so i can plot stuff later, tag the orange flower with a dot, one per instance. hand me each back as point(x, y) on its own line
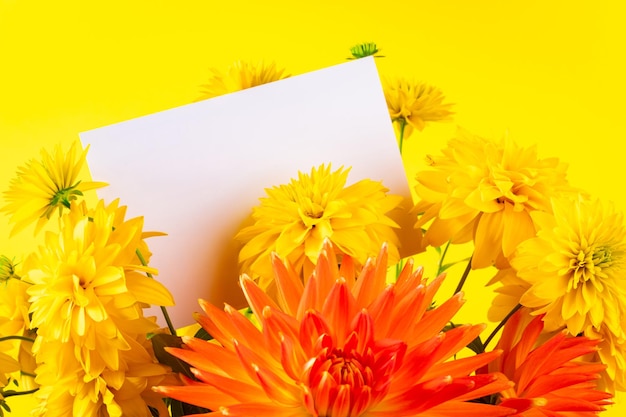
point(550, 378)
point(337, 346)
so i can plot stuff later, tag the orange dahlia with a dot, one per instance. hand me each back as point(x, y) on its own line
point(550, 377)
point(337, 346)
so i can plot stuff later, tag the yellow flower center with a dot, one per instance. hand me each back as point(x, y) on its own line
point(311, 212)
point(588, 264)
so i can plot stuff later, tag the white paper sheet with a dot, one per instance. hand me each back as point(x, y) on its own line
point(195, 172)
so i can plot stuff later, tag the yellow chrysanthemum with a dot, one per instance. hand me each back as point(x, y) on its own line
point(43, 186)
point(412, 104)
point(338, 346)
point(576, 266)
point(88, 282)
point(67, 390)
point(295, 219)
point(484, 190)
point(239, 76)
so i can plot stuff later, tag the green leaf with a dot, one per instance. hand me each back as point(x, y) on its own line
point(476, 345)
point(176, 409)
point(203, 334)
point(160, 342)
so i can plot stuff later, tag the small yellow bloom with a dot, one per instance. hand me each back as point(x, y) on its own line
point(14, 321)
point(239, 76)
point(412, 104)
point(45, 185)
point(295, 219)
point(612, 353)
point(8, 365)
point(508, 293)
point(484, 190)
point(576, 266)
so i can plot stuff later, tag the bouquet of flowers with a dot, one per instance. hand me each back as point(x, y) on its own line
point(337, 324)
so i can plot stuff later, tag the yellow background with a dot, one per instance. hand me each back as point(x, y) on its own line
point(548, 72)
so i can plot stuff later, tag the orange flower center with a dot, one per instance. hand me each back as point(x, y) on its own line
point(346, 381)
point(349, 368)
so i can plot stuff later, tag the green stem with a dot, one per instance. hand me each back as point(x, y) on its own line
point(401, 139)
point(163, 309)
point(24, 338)
point(16, 393)
point(501, 324)
point(468, 268)
point(443, 255)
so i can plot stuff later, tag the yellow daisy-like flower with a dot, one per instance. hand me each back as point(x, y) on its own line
point(239, 76)
point(45, 185)
point(576, 266)
point(484, 190)
point(295, 219)
point(338, 346)
point(88, 283)
point(412, 104)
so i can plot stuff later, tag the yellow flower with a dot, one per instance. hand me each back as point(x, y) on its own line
point(14, 321)
point(88, 283)
point(13, 300)
point(7, 365)
point(239, 76)
point(67, 389)
point(508, 294)
point(412, 104)
point(484, 190)
point(575, 266)
point(337, 347)
point(43, 186)
point(612, 353)
point(294, 219)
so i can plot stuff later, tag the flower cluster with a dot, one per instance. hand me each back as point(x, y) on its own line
point(558, 251)
point(77, 307)
point(337, 325)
